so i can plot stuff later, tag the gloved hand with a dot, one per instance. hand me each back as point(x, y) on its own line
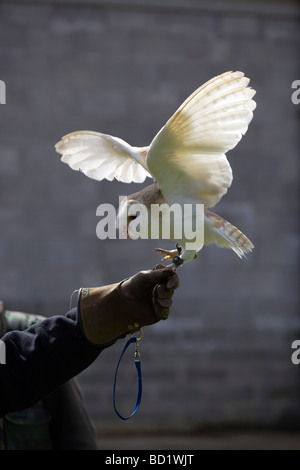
point(111, 311)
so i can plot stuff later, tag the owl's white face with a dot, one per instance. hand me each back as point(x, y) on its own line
point(133, 219)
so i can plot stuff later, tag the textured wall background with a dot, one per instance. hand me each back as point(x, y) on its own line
point(224, 357)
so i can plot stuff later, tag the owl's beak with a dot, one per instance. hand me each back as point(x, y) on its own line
point(125, 234)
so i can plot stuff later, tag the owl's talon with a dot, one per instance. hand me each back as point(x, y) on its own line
point(169, 253)
point(179, 248)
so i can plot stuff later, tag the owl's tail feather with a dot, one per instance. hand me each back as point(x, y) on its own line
point(224, 234)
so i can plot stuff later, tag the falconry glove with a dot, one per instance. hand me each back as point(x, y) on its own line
point(112, 311)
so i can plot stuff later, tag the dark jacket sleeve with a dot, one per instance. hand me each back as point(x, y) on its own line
point(41, 358)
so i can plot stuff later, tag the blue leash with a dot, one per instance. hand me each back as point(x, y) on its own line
point(137, 361)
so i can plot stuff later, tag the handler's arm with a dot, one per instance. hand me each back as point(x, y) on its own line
point(43, 357)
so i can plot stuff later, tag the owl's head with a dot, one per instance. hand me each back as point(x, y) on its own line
point(133, 219)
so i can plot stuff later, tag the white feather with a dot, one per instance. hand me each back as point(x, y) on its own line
point(100, 156)
point(224, 234)
point(187, 156)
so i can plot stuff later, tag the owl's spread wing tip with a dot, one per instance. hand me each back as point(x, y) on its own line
point(188, 155)
point(101, 156)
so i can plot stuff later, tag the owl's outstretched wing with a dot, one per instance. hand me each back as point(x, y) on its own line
point(187, 156)
point(100, 156)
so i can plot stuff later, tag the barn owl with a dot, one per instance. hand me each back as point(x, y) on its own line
point(186, 159)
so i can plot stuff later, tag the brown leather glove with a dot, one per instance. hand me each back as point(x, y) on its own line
point(111, 311)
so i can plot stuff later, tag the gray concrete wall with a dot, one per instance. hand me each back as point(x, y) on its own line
point(224, 356)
